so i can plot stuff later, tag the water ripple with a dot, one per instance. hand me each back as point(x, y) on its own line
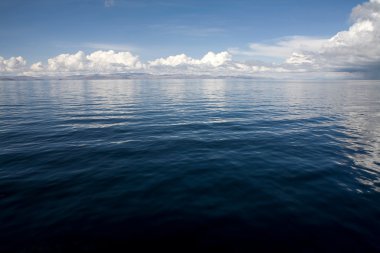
point(193, 160)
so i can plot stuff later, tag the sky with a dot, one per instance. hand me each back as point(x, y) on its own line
point(288, 38)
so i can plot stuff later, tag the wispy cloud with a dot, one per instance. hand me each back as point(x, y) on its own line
point(282, 48)
point(187, 30)
point(109, 46)
point(109, 3)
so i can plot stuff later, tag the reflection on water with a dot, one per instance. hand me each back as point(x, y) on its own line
point(198, 160)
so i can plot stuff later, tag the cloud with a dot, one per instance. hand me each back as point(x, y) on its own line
point(108, 62)
point(97, 62)
point(186, 30)
point(109, 46)
point(361, 42)
point(282, 48)
point(37, 67)
point(220, 64)
point(356, 50)
point(214, 64)
point(210, 59)
point(109, 3)
point(12, 65)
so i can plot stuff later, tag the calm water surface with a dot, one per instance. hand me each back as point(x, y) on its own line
point(217, 165)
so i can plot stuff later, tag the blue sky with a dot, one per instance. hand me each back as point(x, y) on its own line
point(262, 38)
point(41, 29)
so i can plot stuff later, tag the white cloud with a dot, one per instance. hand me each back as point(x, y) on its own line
point(299, 59)
point(107, 62)
point(216, 64)
point(210, 59)
point(37, 67)
point(216, 60)
point(12, 65)
point(111, 61)
point(354, 50)
point(282, 48)
point(67, 63)
point(172, 61)
point(97, 62)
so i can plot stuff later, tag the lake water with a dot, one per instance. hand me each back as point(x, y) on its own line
point(189, 165)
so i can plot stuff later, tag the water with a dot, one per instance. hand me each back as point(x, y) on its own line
point(217, 165)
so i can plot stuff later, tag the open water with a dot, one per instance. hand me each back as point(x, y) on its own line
point(189, 165)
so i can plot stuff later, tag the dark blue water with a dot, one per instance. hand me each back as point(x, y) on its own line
point(197, 165)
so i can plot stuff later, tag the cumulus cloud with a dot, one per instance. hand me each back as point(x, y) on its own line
point(12, 65)
point(37, 67)
point(211, 59)
point(97, 62)
point(216, 64)
point(355, 50)
point(107, 62)
point(361, 42)
point(210, 63)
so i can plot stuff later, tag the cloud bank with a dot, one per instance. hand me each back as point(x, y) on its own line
point(353, 53)
point(356, 50)
point(109, 62)
point(96, 62)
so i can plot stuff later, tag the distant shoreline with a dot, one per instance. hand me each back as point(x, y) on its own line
point(138, 76)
